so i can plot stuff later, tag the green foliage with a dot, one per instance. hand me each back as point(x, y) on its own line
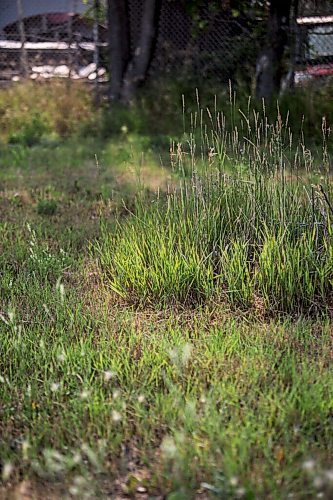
point(204, 242)
point(47, 207)
point(247, 237)
point(31, 111)
point(195, 393)
point(30, 132)
point(195, 399)
point(238, 274)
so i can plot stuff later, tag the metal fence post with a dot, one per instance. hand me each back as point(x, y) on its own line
point(96, 42)
point(23, 52)
point(70, 39)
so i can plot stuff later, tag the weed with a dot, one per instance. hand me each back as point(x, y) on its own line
point(29, 133)
point(47, 207)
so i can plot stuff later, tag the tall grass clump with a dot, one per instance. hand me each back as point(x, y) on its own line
point(31, 111)
point(244, 225)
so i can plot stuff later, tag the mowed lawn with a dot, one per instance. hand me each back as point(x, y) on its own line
point(162, 336)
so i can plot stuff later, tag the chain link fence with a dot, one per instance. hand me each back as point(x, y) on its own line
point(314, 47)
point(215, 44)
point(63, 38)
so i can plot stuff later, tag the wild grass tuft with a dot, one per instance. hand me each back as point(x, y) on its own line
point(246, 224)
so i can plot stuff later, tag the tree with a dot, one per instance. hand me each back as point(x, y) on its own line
point(275, 64)
point(129, 65)
point(271, 62)
point(129, 62)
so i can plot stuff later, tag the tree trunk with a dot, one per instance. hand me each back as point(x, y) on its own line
point(119, 44)
point(128, 70)
point(288, 81)
point(270, 63)
point(139, 64)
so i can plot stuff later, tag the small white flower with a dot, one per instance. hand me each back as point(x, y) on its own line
point(74, 490)
point(55, 386)
point(79, 481)
point(77, 458)
point(186, 353)
point(240, 492)
point(108, 375)
point(141, 489)
point(25, 449)
point(329, 475)
point(168, 447)
point(61, 357)
point(173, 353)
point(233, 481)
point(7, 471)
point(116, 394)
point(318, 482)
point(309, 465)
point(116, 417)
point(46, 309)
point(61, 289)
point(141, 398)
point(85, 394)
point(4, 319)
point(124, 129)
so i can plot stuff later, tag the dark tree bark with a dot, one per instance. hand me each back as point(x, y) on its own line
point(119, 44)
point(270, 65)
point(139, 64)
point(288, 80)
point(128, 69)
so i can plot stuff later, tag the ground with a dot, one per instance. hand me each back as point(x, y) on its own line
point(102, 397)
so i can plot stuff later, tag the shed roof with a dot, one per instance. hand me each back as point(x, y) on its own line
point(8, 9)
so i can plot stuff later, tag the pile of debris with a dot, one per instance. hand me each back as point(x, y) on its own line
point(44, 60)
point(90, 72)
